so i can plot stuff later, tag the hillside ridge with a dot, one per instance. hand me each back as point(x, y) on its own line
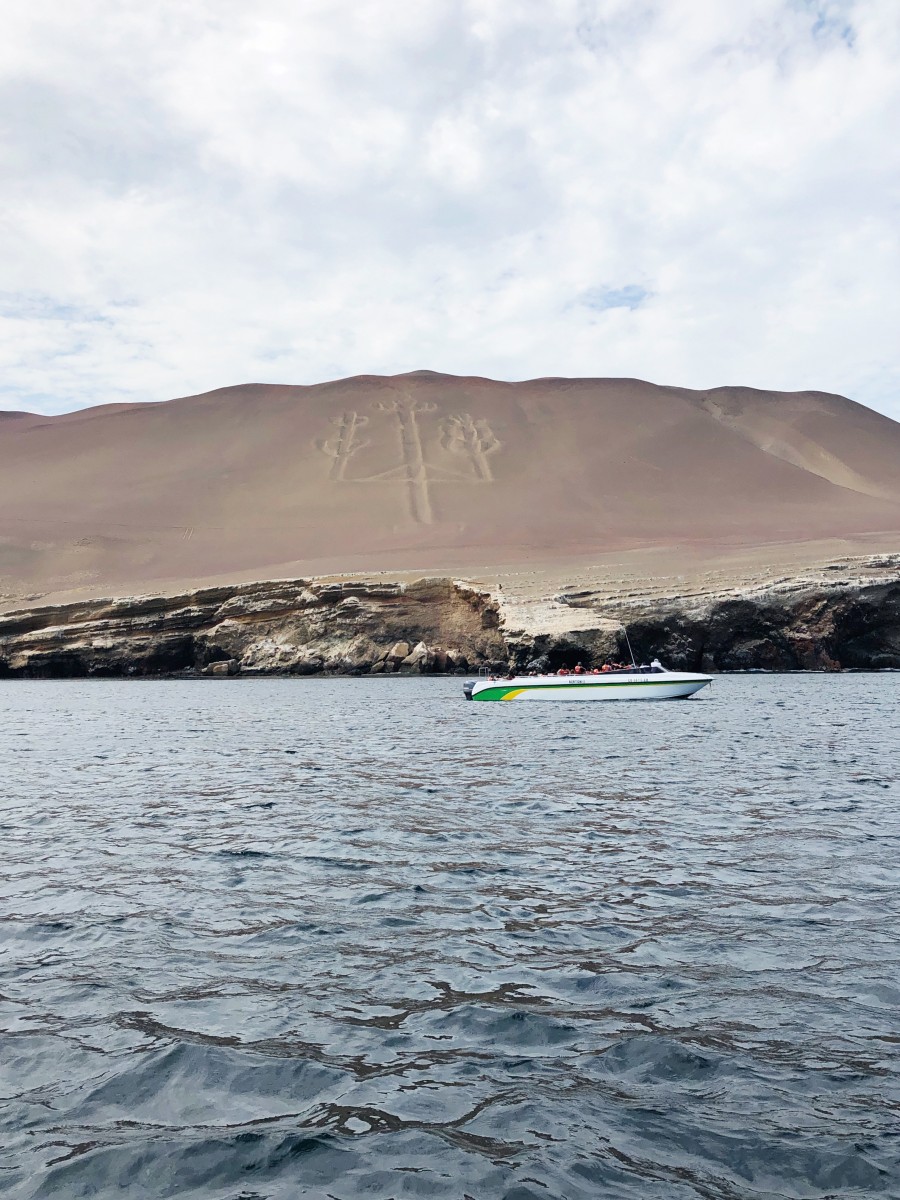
point(429, 472)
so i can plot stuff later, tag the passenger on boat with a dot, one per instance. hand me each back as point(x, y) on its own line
point(579, 669)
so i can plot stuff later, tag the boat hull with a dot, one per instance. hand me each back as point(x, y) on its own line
point(664, 685)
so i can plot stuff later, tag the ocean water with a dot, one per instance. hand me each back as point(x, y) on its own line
point(358, 938)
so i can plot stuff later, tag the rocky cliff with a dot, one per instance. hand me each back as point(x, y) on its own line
point(311, 626)
point(803, 627)
point(297, 627)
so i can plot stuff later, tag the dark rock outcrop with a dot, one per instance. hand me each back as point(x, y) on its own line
point(854, 628)
point(301, 627)
point(802, 625)
point(310, 627)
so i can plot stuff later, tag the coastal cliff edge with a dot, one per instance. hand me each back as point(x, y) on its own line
point(843, 616)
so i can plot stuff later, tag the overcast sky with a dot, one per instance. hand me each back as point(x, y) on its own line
point(202, 193)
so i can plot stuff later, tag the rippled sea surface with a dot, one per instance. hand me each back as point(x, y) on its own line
point(344, 938)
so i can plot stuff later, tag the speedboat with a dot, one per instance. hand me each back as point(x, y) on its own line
point(652, 682)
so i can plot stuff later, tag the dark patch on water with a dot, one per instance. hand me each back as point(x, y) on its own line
point(659, 964)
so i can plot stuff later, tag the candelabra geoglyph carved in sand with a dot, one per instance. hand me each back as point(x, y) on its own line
point(431, 449)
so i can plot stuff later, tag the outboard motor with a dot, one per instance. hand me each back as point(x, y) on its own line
point(467, 688)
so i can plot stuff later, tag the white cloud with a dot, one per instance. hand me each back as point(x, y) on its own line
point(683, 190)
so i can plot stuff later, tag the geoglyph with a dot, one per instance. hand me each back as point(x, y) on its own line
point(430, 449)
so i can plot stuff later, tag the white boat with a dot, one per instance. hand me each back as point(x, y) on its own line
point(651, 682)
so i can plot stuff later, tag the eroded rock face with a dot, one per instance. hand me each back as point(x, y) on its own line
point(806, 623)
point(310, 627)
point(301, 627)
point(857, 627)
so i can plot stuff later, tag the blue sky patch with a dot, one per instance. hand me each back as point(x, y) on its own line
point(601, 298)
point(830, 21)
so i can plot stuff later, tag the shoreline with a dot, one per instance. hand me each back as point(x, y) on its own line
point(835, 617)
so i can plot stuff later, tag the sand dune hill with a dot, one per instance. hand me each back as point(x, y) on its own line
point(427, 472)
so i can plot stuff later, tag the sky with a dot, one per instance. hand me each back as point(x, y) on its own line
point(210, 193)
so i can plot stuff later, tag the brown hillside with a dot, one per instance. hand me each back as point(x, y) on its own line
point(428, 472)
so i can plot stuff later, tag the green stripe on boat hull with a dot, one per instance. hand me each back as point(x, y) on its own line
point(668, 686)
